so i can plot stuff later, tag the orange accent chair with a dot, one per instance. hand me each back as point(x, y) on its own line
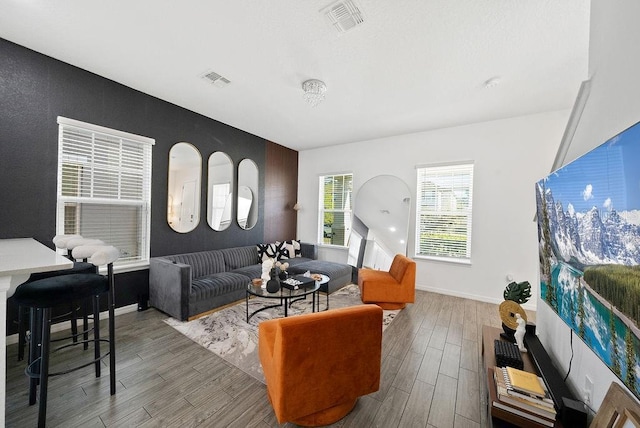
point(317, 365)
point(389, 290)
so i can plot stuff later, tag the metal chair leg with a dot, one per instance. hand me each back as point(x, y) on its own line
point(112, 331)
point(44, 366)
point(22, 332)
point(85, 319)
point(96, 333)
point(35, 323)
point(73, 319)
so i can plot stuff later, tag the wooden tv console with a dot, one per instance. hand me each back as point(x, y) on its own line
point(535, 361)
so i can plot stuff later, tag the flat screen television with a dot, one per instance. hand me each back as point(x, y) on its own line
point(588, 215)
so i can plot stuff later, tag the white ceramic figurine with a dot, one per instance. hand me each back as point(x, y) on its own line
point(519, 334)
point(266, 268)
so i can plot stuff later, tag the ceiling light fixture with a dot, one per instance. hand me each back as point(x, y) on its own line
point(314, 91)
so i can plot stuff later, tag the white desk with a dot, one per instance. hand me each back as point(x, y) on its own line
point(19, 258)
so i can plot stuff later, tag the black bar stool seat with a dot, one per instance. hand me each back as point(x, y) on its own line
point(56, 290)
point(69, 315)
point(42, 295)
point(78, 267)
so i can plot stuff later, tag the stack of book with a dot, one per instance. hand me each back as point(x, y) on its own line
point(523, 394)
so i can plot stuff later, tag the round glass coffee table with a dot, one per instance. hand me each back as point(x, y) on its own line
point(285, 296)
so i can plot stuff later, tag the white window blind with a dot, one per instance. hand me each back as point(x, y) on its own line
point(335, 209)
point(445, 199)
point(104, 187)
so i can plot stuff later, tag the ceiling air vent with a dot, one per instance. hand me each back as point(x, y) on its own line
point(215, 79)
point(343, 15)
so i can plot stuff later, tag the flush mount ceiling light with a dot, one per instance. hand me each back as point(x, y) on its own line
point(314, 91)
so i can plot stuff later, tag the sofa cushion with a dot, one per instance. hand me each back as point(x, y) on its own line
point(250, 272)
point(238, 257)
point(297, 261)
point(202, 263)
point(215, 285)
point(331, 269)
point(338, 273)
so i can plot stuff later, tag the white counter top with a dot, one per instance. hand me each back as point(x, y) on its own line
point(19, 258)
point(24, 256)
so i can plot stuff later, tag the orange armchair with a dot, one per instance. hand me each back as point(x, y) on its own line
point(389, 290)
point(317, 365)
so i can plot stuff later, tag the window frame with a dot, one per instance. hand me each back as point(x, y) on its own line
point(133, 169)
point(348, 212)
point(439, 171)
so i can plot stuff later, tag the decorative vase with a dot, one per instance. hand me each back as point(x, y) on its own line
point(273, 285)
point(282, 275)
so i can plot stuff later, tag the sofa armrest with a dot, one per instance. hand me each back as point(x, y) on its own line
point(169, 287)
point(309, 250)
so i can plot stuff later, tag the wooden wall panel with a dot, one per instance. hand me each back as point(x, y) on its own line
point(281, 192)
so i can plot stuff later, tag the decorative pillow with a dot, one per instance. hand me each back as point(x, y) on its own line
point(281, 250)
point(289, 249)
point(267, 251)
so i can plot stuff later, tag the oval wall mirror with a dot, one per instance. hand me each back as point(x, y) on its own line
point(380, 225)
point(219, 191)
point(247, 201)
point(183, 202)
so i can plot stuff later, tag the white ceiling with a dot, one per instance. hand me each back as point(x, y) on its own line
point(413, 65)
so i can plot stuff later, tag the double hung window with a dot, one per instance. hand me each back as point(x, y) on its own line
point(444, 202)
point(104, 187)
point(335, 209)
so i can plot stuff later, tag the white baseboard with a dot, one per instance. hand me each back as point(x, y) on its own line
point(531, 305)
point(66, 325)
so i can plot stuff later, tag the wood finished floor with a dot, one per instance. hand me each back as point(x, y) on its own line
point(431, 377)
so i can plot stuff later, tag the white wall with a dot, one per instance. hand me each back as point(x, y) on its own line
point(613, 105)
point(510, 156)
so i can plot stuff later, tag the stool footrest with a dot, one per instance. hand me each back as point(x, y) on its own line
point(36, 363)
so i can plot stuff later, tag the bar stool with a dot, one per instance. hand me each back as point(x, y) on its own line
point(60, 241)
point(44, 294)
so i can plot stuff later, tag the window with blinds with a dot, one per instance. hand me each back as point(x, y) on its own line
point(335, 209)
point(444, 208)
point(104, 187)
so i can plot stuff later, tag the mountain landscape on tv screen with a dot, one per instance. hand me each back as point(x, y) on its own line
point(588, 216)
point(594, 237)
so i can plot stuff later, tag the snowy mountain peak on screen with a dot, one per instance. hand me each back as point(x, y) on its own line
point(595, 236)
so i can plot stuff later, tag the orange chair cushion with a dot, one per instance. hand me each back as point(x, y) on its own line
point(389, 290)
point(317, 365)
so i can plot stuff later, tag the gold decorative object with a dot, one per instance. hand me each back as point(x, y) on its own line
point(508, 310)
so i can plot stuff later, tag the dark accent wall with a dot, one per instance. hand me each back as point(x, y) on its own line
point(281, 188)
point(35, 89)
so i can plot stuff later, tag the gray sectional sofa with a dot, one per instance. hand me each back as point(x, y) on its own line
point(186, 285)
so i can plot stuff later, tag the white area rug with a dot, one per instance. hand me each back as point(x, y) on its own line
point(227, 334)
